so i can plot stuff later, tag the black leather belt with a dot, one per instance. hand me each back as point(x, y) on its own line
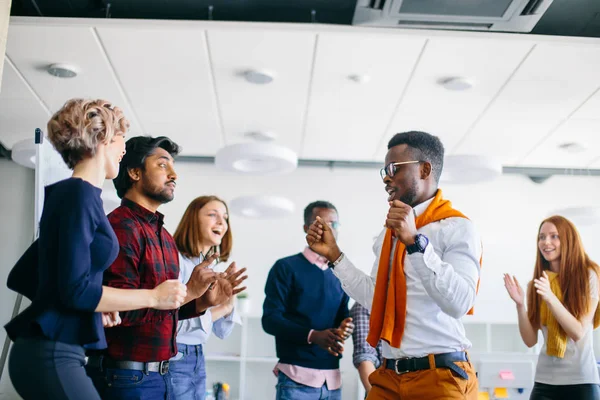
point(444, 360)
point(101, 362)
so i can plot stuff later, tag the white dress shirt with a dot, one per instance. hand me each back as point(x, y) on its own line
point(197, 330)
point(440, 287)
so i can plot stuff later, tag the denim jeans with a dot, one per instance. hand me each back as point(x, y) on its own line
point(188, 373)
point(542, 391)
point(287, 389)
point(127, 384)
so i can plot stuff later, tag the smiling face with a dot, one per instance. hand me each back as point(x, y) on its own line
point(549, 242)
point(213, 219)
point(405, 182)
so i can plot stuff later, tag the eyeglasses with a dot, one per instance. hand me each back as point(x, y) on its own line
point(390, 169)
point(332, 224)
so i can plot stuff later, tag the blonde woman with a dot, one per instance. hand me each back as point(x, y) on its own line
point(562, 302)
point(62, 271)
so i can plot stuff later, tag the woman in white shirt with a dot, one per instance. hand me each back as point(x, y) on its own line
point(204, 229)
point(562, 301)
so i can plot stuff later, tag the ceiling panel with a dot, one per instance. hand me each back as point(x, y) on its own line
point(346, 118)
point(445, 113)
point(583, 132)
point(166, 75)
point(590, 109)
point(550, 85)
point(278, 107)
point(20, 111)
point(34, 47)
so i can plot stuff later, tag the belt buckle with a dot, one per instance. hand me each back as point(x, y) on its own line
point(163, 367)
point(396, 368)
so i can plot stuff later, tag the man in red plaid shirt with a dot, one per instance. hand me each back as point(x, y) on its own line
point(135, 364)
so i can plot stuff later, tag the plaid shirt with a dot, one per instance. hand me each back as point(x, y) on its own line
point(147, 257)
point(363, 350)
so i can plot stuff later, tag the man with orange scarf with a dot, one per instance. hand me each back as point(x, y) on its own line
point(425, 278)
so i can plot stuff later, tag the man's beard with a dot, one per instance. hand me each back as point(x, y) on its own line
point(409, 196)
point(160, 195)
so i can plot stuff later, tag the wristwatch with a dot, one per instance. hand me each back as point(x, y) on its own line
point(336, 262)
point(421, 242)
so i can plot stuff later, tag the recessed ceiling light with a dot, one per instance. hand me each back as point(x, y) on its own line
point(256, 158)
point(360, 78)
point(63, 70)
point(258, 77)
point(456, 83)
point(261, 136)
point(572, 147)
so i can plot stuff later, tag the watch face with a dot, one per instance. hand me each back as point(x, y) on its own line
point(421, 242)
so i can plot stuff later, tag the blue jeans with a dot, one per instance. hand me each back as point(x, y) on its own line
point(127, 384)
point(287, 389)
point(188, 373)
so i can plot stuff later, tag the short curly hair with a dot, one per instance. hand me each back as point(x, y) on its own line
point(80, 125)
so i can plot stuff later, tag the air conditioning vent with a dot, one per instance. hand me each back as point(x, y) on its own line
point(483, 15)
point(377, 4)
point(532, 7)
point(444, 25)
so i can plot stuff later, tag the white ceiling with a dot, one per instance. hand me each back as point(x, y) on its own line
point(182, 79)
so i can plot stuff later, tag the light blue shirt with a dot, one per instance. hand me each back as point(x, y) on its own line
point(197, 330)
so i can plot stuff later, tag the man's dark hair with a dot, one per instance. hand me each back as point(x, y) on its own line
point(137, 150)
point(424, 147)
point(308, 211)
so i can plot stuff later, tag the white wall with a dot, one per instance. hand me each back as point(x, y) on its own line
point(16, 233)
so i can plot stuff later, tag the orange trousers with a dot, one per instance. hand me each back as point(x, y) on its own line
point(429, 384)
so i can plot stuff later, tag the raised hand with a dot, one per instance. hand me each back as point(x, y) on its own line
point(223, 289)
point(234, 276)
point(202, 277)
point(542, 287)
point(514, 289)
point(401, 220)
point(321, 240)
point(169, 295)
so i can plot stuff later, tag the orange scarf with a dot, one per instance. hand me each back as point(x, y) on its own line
point(388, 313)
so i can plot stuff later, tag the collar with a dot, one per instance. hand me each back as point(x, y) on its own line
point(142, 212)
point(420, 208)
point(315, 259)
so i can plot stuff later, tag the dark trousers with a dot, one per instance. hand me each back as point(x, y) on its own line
point(43, 369)
point(542, 391)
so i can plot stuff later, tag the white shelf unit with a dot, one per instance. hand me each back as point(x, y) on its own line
point(244, 360)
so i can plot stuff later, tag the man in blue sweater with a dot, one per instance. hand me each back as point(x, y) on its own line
point(307, 311)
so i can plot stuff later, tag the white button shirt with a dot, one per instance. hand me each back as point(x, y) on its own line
point(441, 287)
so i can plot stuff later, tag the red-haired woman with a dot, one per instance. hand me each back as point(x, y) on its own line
point(562, 301)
